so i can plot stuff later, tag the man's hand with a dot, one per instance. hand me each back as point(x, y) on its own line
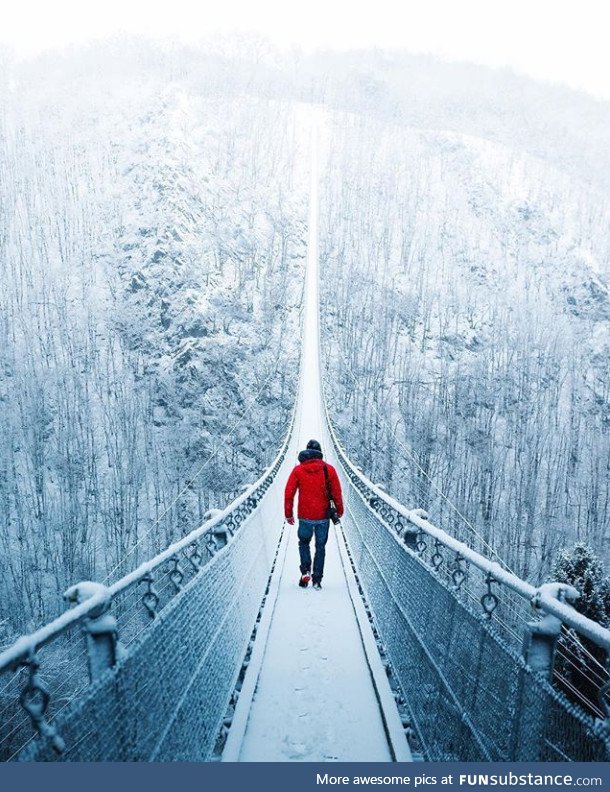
point(290, 520)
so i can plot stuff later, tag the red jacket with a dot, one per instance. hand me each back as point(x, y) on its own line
point(308, 478)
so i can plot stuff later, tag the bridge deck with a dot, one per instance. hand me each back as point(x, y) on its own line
point(314, 700)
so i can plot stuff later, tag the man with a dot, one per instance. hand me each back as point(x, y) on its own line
point(315, 480)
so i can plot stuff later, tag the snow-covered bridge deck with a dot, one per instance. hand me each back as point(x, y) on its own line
point(315, 688)
point(318, 695)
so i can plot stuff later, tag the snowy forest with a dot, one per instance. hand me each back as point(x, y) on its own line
point(472, 370)
point(150, 246)
point(153, 211)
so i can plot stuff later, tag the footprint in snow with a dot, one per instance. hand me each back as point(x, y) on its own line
point(296, 749)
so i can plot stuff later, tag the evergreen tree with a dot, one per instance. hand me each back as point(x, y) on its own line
point(581, 664)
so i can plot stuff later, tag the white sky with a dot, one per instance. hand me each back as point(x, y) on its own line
point(562, 40)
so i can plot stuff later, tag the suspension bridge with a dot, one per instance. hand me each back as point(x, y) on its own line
point(417, 648)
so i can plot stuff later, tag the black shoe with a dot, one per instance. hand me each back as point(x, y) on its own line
point(317, 585)
point(304, 581)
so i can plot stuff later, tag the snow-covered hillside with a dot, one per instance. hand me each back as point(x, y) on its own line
point(466, 288)
point(151, 238)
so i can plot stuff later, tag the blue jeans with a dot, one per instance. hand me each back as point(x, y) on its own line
point(307, 529)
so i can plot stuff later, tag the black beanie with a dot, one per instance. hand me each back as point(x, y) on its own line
point(314, 445)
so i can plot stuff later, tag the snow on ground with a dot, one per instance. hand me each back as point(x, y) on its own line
point(315, 699)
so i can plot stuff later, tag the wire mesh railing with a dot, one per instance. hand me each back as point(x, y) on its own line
point(162, 647)
point(472, 645)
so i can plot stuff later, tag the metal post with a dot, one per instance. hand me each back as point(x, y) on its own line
point(539, 642)
point(541, 636)
point(221, 535)
point(100, 628)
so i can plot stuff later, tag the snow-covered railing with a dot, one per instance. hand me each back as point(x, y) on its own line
point(474, 647)
point(203, 591)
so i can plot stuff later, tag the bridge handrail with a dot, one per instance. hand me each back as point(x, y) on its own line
point(27, 645)
point(537, 596)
